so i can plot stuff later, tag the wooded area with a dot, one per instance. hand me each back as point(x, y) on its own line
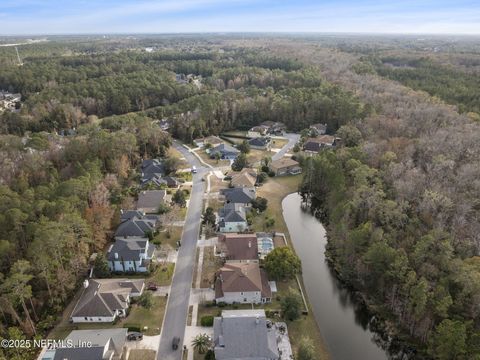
point(402, 207)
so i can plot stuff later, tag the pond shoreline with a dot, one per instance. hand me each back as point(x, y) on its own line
point(339, 312)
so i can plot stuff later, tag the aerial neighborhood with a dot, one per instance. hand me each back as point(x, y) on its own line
point(245, 196)
point(237, 247)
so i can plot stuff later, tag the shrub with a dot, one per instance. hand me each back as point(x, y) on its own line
point(210, 355)
point(146, 300)
point(206, 320)
point(133, 327)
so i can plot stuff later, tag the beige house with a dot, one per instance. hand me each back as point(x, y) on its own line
point(285, 166)
point(245, 178)
point(242, 283)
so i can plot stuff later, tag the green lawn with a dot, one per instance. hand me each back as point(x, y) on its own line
point(168, 238)
point(142, 354)
point(275, 189)
point(279, 143)
point(152, 318)
point(162, 275)
point(206, 158)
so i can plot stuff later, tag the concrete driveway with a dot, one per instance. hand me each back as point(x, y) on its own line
point(292, 140)
point(148, 342)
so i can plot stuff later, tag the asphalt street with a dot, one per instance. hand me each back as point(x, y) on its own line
point(292, 140)
point(178, 300)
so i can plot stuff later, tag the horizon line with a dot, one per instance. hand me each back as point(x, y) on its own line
point(244, 32)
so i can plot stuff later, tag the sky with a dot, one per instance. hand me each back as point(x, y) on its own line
point(36, 17)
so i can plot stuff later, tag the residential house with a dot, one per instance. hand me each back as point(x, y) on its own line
point(238, 247)
point(247, 177)
point(244, 334)
point(130, 255)
point(242, 283)
point(260, 143)
point(314, 145)
point(149, 201)
point(224, 151)
point(103, 300)
point(274, 127)
point(152, 166)
point(265, 244)
point(285, 166)
point(258, 131)
point(243, 195)
point(266, 128)
point(318, 129)
point(135, 227)
point(212, 140)
point(97, 344)
point(232, 218)
point(151, 179)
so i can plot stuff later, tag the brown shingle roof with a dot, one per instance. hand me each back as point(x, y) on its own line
point(283, 162)
point(245, 178)
point(242, 277)
point(239, 246)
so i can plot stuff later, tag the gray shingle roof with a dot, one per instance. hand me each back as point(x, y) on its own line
point(130, 214)
point(150, 199)
point(259, 141)
point(129, 250)
point(103, 296)
point(99, 338)
point(242, 195)
point(84, 353)
point(243, 334)
point(224, 149)
point(150, 166)
point(233, 212)
point(135, 227)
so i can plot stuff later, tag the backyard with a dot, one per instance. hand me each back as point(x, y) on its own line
point(275, 189)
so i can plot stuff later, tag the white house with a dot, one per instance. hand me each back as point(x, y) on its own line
point(130, 255)
point(233, 218)
point(103, 300)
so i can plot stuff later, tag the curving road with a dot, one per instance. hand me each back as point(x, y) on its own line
point(292, 140)
point(178, 300)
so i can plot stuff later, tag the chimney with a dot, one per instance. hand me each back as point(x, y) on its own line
point(85, 283)
point(249, 243)
point(257, 320)
point(116, 256)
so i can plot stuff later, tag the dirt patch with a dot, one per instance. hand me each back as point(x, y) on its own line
point(210, 266)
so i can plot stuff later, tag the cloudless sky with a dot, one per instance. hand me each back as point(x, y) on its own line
point(175, 16)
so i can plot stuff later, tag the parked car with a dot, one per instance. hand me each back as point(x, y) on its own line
point(134, 336)
point(194, 169)
point(175, 342)
point(152, 286)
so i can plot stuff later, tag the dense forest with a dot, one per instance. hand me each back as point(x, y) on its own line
point(402, 210)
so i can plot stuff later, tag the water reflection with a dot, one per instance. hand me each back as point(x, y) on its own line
point(344, 323)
